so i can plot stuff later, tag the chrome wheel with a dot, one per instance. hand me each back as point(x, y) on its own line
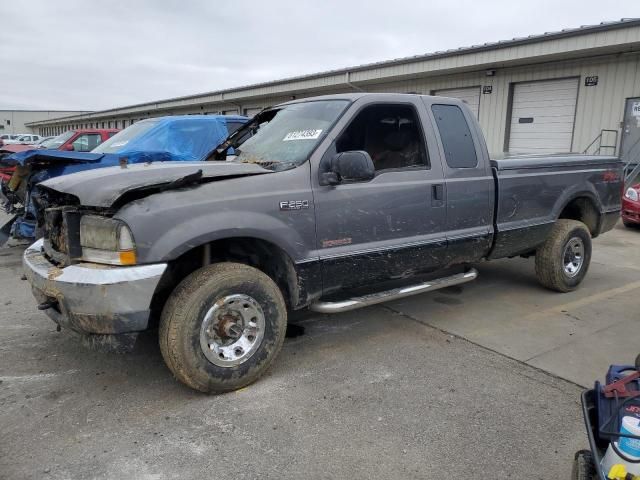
point(573, 257)
point(232, 330)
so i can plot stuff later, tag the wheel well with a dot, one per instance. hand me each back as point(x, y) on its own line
point(261, 254)
point(584, 210)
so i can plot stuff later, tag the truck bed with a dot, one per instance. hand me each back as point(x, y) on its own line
point(532, 191)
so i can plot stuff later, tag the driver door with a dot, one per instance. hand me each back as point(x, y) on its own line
point(392, 226)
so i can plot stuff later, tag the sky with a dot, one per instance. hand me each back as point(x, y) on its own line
point(81, 55)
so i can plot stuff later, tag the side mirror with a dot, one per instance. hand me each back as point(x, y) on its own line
point(68, 148)
point(354, 166)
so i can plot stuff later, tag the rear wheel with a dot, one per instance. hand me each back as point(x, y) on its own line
point(222, 327)
point(563, 259)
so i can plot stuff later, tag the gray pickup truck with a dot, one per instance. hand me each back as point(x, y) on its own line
point(330, 203)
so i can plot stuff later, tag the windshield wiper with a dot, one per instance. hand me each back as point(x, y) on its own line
point(236, 138)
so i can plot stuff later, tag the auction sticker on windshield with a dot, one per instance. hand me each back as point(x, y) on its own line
point(302, 135)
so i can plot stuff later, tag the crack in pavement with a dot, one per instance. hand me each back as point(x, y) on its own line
point(483, 347)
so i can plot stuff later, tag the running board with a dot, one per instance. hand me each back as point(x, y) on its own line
point(394, 294)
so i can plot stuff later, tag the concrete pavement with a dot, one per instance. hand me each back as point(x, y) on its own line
point(384, 392)
point(575, 335)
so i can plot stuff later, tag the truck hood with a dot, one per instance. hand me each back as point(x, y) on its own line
point(104, 187)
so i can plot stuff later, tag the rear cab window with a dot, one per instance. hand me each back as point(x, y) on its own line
point(457, 141)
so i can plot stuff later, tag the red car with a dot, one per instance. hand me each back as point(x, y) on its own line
point(631, 206)
point(81, 140)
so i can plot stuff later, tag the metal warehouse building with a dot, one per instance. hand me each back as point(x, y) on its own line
point(16, 121)
point(574, 90)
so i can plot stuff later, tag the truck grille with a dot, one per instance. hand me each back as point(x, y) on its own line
point(62, 235)
point(54, 231)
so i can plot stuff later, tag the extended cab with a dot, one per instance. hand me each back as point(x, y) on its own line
point(329, 203)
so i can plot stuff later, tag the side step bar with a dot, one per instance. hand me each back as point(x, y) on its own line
point(394, 294)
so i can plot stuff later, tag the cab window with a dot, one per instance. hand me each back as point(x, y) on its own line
point(390, 133)
point(86, 142)
point(459, 150)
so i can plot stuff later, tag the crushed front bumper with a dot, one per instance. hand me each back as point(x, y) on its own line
point(93, 299)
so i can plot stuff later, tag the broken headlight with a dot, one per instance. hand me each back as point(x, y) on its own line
point(106, 240)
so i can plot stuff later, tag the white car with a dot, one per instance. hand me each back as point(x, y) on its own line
point(9, 136)
point(24, 139)
point(43, 142)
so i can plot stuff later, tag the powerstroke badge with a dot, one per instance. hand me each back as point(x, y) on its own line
point(294, 205)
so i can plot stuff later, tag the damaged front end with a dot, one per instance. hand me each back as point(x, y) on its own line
point(21, 174)
point(14, 199)
point(82, 278)
point(84, 271)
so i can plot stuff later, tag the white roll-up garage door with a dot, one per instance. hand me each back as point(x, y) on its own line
point(542, 116)
point(469, 95)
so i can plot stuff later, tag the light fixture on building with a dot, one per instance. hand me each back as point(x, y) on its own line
point(490, 73)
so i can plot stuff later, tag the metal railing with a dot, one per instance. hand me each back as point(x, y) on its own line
point(598, 142)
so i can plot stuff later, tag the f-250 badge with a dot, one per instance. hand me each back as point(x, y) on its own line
point(294, 204)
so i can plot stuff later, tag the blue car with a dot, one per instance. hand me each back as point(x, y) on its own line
point(176, 138)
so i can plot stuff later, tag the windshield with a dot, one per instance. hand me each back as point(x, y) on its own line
point(57, 142)
point(120, 139)
point(290, 133)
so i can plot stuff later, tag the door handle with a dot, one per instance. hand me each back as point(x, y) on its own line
point(437, 192)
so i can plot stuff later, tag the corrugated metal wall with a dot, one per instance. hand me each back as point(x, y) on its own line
point(598, 107)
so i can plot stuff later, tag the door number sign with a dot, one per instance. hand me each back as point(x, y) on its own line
point(591, 81)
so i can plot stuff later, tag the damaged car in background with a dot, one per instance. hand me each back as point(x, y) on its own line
point(330, 203)
point(176, 138)
point(80, 140)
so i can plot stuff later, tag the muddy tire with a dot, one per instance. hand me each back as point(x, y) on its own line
point(222, 327)
point(563, 259)
point(584, 467)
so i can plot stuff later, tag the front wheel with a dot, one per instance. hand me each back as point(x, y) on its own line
point(563, 259)
point(222, 327)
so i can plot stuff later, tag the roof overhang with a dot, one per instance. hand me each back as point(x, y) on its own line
point(604, 39)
